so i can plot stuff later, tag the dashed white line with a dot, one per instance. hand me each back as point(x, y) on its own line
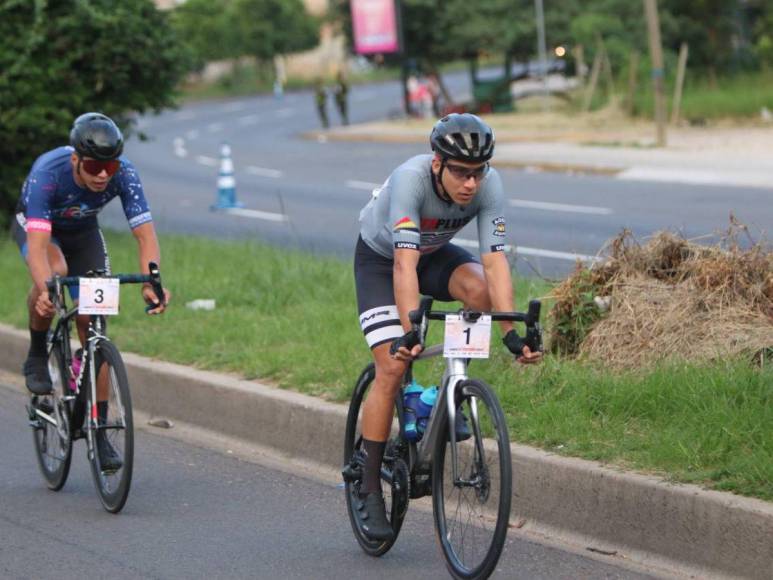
point(208, 161)
point(256, 214)
point(526, 251)
point(214, 127)
point(263, 171)
point(248, 119)
point(560, 207)
point(354, 184)
point(179, 147)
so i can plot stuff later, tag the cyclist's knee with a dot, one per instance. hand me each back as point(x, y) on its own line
point(476, 295)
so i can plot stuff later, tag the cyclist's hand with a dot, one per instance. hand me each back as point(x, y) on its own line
point(516, 345)
point(406, 347)
point(150, 298)
point(43, 306)
point(529, 357)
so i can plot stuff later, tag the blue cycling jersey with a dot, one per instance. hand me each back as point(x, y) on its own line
point(51, 198)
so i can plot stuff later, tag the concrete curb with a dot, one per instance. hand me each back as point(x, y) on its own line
point(682, 528)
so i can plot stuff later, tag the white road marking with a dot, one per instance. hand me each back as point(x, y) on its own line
point(248, 119)
point(525, 251)
point(256, 214)
point(560, 207)
point(354, 184)
point(179, 147)
point(263, 171)
point(209, 161)
point(192, 134)
point(214, 127)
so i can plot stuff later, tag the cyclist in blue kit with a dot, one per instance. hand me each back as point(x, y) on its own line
point(404, 250)
point(57, 231)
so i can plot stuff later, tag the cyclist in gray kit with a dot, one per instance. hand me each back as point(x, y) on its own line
point(404, 250)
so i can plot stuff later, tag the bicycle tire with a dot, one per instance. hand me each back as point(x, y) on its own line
point(113, 487)
point(396, 510)
point(53, 442)
point(492, 491)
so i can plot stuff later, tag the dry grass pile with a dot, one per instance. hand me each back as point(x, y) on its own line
point(668, 298)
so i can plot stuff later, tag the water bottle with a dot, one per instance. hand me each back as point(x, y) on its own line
point(76, 369)
point(424, 408)
point(411, 395)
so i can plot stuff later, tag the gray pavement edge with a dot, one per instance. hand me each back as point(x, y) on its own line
point(680, 528)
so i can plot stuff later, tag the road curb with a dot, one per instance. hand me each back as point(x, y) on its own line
point(678, 527)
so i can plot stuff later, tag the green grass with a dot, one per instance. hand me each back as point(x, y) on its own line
point(739, 96)
point(291, 319)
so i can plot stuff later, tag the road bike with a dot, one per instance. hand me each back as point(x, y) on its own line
point(90, 396)
point(468, 476)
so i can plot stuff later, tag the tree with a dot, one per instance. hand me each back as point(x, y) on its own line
point(266, 28)
point(205, 26)
point(60, 58)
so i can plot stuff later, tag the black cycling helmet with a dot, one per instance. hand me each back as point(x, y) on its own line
point(96, 135)
point(464, 137)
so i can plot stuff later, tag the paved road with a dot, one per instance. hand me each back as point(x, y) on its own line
point(321, 186)
point(200, 513)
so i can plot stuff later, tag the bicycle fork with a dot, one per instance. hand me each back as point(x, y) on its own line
point(453, 376)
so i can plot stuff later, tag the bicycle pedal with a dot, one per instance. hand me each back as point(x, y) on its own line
point(352, 473)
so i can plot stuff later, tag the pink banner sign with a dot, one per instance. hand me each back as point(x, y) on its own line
point(374, 23)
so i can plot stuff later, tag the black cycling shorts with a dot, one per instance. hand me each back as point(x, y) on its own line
point(83, 250)
point(376, 305)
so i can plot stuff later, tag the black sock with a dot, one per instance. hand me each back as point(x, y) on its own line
point(102, 412)
point(38, 342)
point(371, 476)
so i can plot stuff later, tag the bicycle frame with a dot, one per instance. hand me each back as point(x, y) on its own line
point(421, 453)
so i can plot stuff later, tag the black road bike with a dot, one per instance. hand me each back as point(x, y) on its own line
point(470, 480)
point(72, 410)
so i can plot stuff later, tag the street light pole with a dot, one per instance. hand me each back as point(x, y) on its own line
point(542, 50)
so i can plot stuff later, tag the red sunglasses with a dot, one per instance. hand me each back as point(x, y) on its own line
point(95, 166)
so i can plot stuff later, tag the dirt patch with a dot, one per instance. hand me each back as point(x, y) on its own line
point(668, 298)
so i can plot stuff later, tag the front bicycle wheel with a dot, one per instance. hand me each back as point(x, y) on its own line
point(50, 420)
point(115, 426)
point(472, 511)
point(394, 473)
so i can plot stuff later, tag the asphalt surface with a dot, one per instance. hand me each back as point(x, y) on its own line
point(320, 186)
point(202, 513)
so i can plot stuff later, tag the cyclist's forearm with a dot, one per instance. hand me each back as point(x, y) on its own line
point(406, 289)
point(500, 285)
point(37, 259)
point(148, 247)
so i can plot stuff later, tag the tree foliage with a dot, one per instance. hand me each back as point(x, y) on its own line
point(220, 29)
point(60, 58)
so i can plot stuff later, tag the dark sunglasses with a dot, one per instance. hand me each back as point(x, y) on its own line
point(464, 173)
point(95, 166)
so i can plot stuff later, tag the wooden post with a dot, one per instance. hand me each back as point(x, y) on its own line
point(594, 79)
point(633, 78)
point(656, 53)
point(579, 63)
point(677, 104)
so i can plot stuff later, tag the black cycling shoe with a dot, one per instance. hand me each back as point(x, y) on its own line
point(36, 375)
point(109, 460)
point(372, 514)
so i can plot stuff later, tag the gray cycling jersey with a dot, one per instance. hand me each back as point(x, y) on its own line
point(407, 213)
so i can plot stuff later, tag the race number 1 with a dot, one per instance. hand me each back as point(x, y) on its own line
point(98, 296)
point(467, 339)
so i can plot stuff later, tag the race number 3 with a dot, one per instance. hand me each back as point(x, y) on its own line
point(98, 296)
point(467, 339)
